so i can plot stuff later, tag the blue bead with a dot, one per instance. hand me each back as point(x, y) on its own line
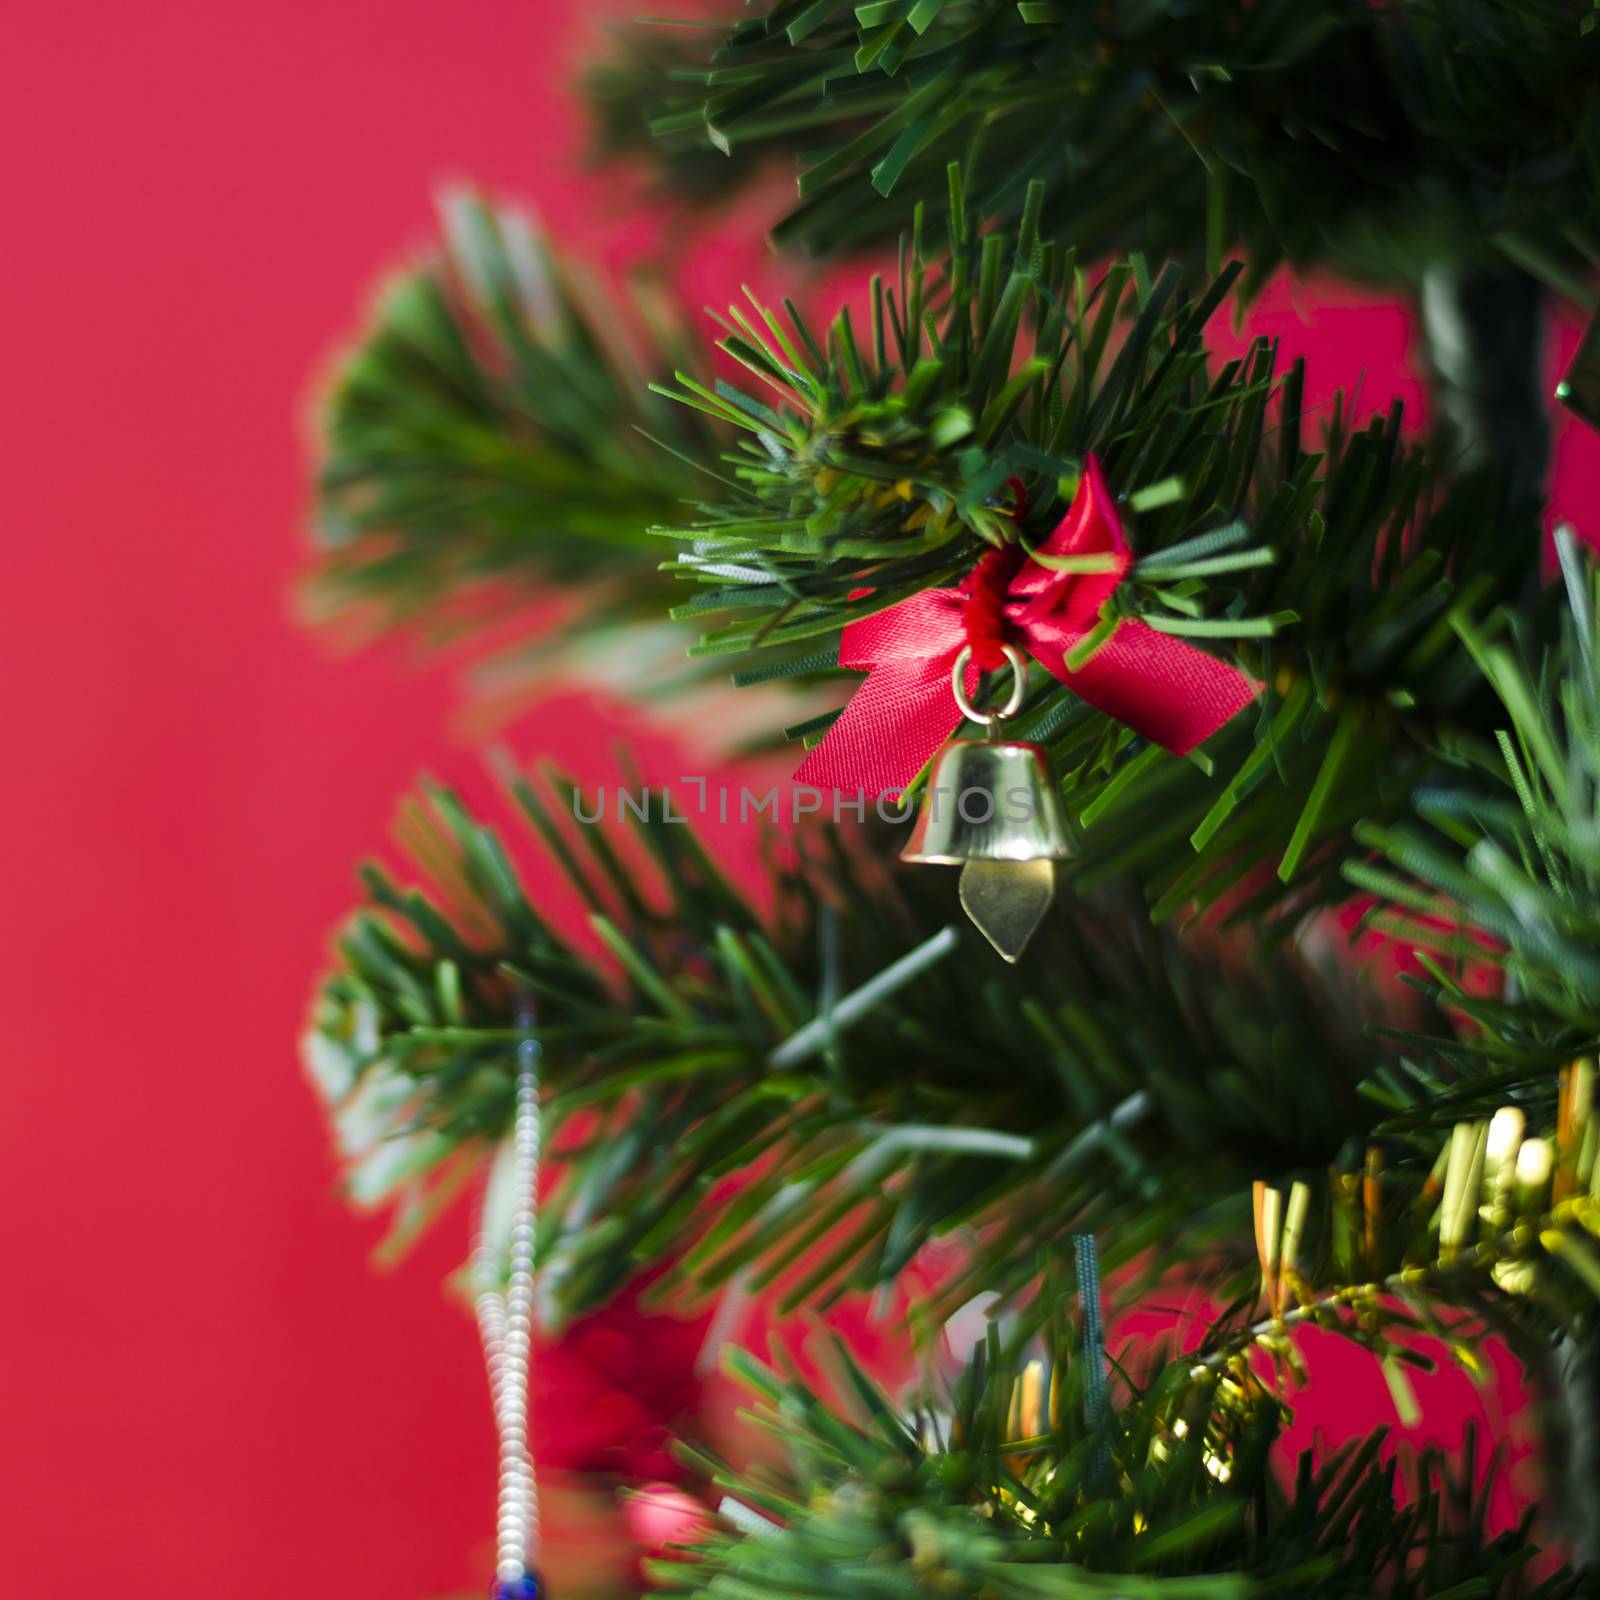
point(527, 1587)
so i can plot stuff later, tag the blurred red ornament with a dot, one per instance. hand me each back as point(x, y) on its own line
point(615, 1388)
point(661, 1515)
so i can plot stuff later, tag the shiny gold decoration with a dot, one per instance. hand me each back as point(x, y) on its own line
point(1575, 1128)
point(1279, 1228)
point(1372, 1206)
point(1029, 1417)
point(1294, 1227)
point(1500, 1206)
point(1463, 1183)
point(989, 800)
point(1007, 900)
point(1536, 1162)
point(1267, 1204)
point(1500, 1161)
point(992, 808)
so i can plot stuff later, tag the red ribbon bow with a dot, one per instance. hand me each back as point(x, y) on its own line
point(1159, 686)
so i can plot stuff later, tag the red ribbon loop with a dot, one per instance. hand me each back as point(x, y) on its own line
point(1159, 686)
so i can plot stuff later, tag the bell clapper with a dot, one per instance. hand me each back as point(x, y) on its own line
point(992, 808)
point(1007, 900)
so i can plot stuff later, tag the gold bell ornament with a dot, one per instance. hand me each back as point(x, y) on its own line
point(993, 809)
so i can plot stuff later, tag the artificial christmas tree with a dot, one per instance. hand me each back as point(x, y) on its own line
point(1269, 660)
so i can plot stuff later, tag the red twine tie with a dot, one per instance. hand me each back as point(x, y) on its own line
point(983, 615)
point(1163, 688)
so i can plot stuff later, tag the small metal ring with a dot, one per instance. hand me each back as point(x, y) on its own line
point(1019, 687)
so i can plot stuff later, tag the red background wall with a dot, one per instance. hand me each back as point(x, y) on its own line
point(203, 1387)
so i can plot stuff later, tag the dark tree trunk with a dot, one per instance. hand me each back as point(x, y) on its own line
point(1572, 1444)
point(1484, 332)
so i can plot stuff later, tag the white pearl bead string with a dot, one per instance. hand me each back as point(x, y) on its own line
point(505, 1323)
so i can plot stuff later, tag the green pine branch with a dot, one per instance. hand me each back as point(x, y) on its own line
point(1006, 1487)
point(1500, 866)
point(1483, 1228)
point(489, 446)
point(803, 1100)
point(491, 433)
point(799, 1101)
point(1383, 140)
point(880, 459)
point(648, 64)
